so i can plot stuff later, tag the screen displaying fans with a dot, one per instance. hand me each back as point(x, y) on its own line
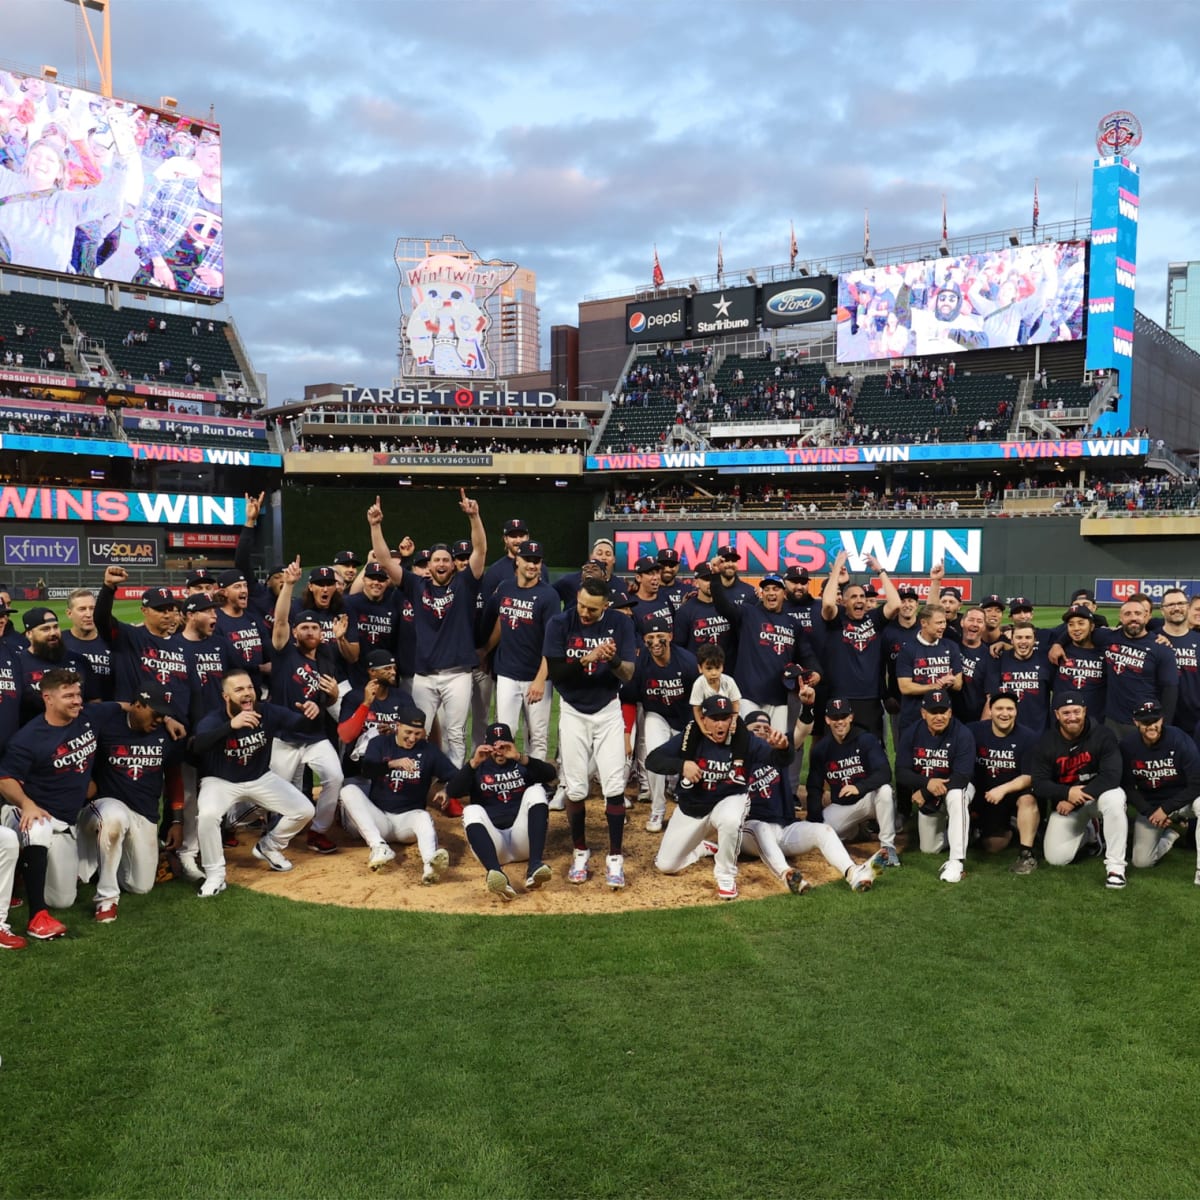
point(106, 189)
point(1016, 297)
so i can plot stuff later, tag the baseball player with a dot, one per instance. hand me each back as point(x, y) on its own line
point(516, 615)
point(398, 768)
point(44, 780)
point(505, 816)
point(234, 745)
point(1185, 641)
point(374, 706)
point(936, 759)
point(851, 764)
point(670, 585)
point(444, 604)
point(1076, 767)
point(83, 639)
point(928, 662)
point(241, 627)
point(663, 676)
point(1003, 786)
point(372, 613)
point(975, 657)
point(1138, 669)
point(716, 802)
point(345, 566)
point(772, 832)
point(210, 657)
point(1024, 672)
point(44, 650)
point(697, 622)
point(136, 763)
point(1080, 667)
point(589, 653)
point(1161, 778)
point(301, 680)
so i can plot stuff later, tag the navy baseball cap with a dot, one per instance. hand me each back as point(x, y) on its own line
point(531, 551)
point(870, 591)
point(322, 576)
point(153, 695)
point(668, 558)
point(756, 716)
point(380, 658)
point(199, 603)
point(838, 710)
point(276, 569)
point(422, 556)
point(375, 571)
point(992, 601)
point(515, 526)
point(1002, 694)
point(233, 575)
point(499, 732)
point(717, 706)
point(656, 625)
point(1065, 699)
point(345, 558)
point(411, 715)
point(1079, 610)
point(703, 571)
point(462, 549)
point(1148, 713)
point(951, 591)
point(199, 578)
point(770, 581)
point(793, 676)
point(937, 701)
point(729, 553)
point(156, 598)
point(39, 616)
point(644, 564)
point(1082, 594)
point(908, 593)
point(1020, 604)
point(307, 617)
point(796, 575)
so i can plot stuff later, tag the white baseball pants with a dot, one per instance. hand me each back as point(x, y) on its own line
point(879, 806)
point(684, 834)
point(512, 844)
point(775, 844)
point(512, 699)
point(447, 693)
point(657, 732)
point(483, 686)
point(947, 827)
point(62, 861)
point(288, 762)
point(269, 791)
point(1064, 835)
point(122, 843)
point(10, 847)
point(584, 738)
point(1151, 843)
point(376, 827)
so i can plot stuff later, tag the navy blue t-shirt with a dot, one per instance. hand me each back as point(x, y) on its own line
point(209, 660)
point(444, 622)
point(923, 663)
point(249, 639)
point(999, 760)
point(30, 670)
point(698, 624)
point(10, 698)
point(371, 625)
point(1029, 679)
point(591, 687)
point(665, 690)
point(1187, 660)
point(968, 703)
point(138, 654)
point(99, 660)
point(1082, 670)
point(382, 711)
point(1138, 669)
point(523, 614)
point(499, 789)
point(53, 763)
point(854, 651)
point(131, 766)
point(242, 755)
point(1165, 775)
point(295, 680)
point(399, 789)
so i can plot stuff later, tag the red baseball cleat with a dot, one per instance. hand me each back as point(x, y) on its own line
point(44, 927)
point(10, 940)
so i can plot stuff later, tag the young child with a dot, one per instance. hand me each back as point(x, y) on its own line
point(714, 682)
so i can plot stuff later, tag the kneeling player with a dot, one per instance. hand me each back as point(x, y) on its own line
point(401, 768)
point(506, 816)
point(1003, 785)
point(773, 833)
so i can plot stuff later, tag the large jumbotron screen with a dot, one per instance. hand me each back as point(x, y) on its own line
point(108, 189)
point(1015, 297)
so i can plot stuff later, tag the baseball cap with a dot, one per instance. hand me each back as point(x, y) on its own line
point(5, 610)
point(756, 716)
point(499, 732)
point(531, 551)
point(156, 598)
point(703, 571)
point(375, 571)
point(462, 549)
point(796, 575)
point(153, 695)
point(668, 558)
point(937, 701)
point(322, 576)
point(199, 578)
point(951, 591)
point(233, 575)
point(38, 616)
point(793, 676)
point(1148, 713)
point(307, 616)
point(422, 556)
point(729, 553)
point(717, 706)
point(870, 591)
point(1064, 699)
point(345, 558)
point(433, 549)
point(1004, 694)
point(380, 658)
point(646, 563)
point(1079, 610)
point(410, 715)
point(200, 603)
point(770, 581)
point(276, 569)
point(515, 525)
point(1082, 594)
point(656, 625)
point(908, 593)
point(836, 710)
point(1020, 604)
point(992, 601)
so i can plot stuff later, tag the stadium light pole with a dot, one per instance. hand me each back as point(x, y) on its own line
point(102, 55)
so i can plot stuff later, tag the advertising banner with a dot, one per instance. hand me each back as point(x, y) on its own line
point(82, 159)
point(728, 311)
point(211, 427)
point(799, 301)
point(1019, 296)
point(109, 552)
point(656, 320)
point(448, 397)
point(148, 508)
point(433, 460)
point(154, 451)
point(203, 541)
point(1117, 591)
point(24, 551)
point(37, 378)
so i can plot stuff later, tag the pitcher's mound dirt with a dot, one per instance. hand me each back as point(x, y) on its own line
point(343, 878)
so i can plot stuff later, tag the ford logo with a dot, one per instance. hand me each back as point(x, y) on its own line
point(795, 302)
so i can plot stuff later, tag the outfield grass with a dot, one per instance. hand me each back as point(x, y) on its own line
point(1004, 1037)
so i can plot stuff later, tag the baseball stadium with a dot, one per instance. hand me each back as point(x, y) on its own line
point(778, 685)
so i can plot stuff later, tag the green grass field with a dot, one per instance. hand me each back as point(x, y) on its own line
point(1004, 1037)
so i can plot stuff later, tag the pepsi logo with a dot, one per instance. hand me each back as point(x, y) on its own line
point(637, 322)
point(795, 302)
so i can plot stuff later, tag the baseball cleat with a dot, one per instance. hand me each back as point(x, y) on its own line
point(558, 801)
point(212, 887)
point(381, 855)
point(273, 858)
point(952, 871)
point(614, 871)
point(708, 849)
point(654, 823)
point(890, 857)
point(727, 891)
point(1114, 879)
point(498, 885)
point(44, 927)
point(436, 867)
point(579, 867)
point(540, 875)
point(10, 940)
point(1026, 863)
point(1196, 879)
point(106, 912)
point(190, 868)
point(861, 877)
point(796, 883)
point(318, 843)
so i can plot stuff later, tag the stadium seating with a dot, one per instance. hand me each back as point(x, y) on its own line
point(1063, 393)
point(643, 420)
point(44, 327)
point(804, 377)
point(978, 396)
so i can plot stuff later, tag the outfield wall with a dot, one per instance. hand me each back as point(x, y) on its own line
point(1044, 558)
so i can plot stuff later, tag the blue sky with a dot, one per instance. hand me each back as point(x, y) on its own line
point(573, 136)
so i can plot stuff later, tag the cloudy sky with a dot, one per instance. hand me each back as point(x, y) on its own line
point(572, 136)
